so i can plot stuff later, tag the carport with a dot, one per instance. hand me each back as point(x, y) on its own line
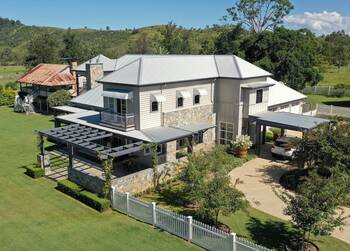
point(283, 120)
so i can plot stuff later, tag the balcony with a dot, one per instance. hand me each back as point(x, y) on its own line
point(119, 121)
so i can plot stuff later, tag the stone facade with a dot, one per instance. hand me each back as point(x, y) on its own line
point(94, 72)
point(93, 183)
point(171, 151)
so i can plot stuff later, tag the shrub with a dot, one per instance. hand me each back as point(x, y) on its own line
point(86, 197)
point(11, 85)
point(269, 136)
point(58, 98)
point(34, 171)
point(337, 93)
point(7, 96)
point(293, 179)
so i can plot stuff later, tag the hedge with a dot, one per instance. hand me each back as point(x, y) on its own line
point(34, 171)
point(86, 197)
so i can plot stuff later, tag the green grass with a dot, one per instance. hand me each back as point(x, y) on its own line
point(249, 223)
point(336, 76)
point(10, 73)
point(318, 99)
point(35, 216)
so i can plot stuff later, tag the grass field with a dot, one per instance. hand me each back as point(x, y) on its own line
point(10, 73)
point(336, 76)
point(251, 224)
point(318, 99)
point(35, 216)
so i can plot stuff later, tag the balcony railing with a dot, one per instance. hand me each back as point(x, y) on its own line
point(124, 121)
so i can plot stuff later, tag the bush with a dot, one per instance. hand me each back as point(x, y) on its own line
point(293, 179)
point(86, 197)
point(34, 171)
point(337, 93)
point(11, 85)
point(269, 136)
point(58, 98)
point(7, 97)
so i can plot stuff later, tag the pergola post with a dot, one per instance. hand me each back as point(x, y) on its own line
point(257, 138)
point(70, 155)
point(282, 132)
point(41, 144)
point(43, 158)
point(264, 135)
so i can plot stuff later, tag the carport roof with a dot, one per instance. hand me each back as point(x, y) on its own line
point(287, 120)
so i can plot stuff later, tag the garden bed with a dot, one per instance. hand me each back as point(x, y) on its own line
point(34, 171)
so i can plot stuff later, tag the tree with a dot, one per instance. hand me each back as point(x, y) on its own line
point(172, 39)
point(291, 56)
point(73, 49)
point(315, 208)
point(229, 40)
point(337, 48)
point(58, 98)
point(259, 15)
point(43, 48)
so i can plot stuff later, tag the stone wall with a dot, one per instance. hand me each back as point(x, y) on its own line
point(87, 180)
point(143, 180)
point(94, 72)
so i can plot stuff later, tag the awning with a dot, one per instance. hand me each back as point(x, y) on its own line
point(162, 134)
point(183, 94)
point(119, 94)
point(197, 127)
point(157, 98)
point(287, 120)
point(256, 85)
point(202, 92)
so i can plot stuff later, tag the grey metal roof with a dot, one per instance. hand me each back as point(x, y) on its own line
point(107, 63)
point(196, 127)
point(257, 85)
point(162, 134)
point(92, 98)
point(153, 69)
point(288, 120)
point(69, 109)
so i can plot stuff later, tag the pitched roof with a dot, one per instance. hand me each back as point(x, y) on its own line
point(279, 93)
point(48, 75)
point(152, 69)
point(92, 98)
point(107, 63)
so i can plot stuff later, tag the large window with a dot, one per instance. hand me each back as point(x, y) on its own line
point(120, 106)
point(181, 143)
point(154, 106)
point(197, 99)
point(226, 133)
point(115, 105)
point(180, 102)
point(259, 96)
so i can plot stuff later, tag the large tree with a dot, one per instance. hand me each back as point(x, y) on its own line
point(291, 56)
point(73, 49)
point(43, 48)
point(259, 15)
point(337, 48)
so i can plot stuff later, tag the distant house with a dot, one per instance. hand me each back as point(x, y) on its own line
point(45, 79)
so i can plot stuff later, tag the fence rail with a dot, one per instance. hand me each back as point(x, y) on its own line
point(330, 91)
point(194, 231)
point(331, 110)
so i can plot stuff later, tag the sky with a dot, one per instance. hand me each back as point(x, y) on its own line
point(321, 16)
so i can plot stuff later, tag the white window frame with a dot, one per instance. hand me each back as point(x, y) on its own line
point(157, 107)
point(177, 102)
point(225, 139)
point(262, 96)
point(194, 99)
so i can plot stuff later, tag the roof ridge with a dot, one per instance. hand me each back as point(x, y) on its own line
point(237, 66)
point(139, 77)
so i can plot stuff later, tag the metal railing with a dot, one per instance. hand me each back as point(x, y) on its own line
point(194, 231)
point(118, 120)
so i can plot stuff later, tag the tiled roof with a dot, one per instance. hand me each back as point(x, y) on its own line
point(48, 75)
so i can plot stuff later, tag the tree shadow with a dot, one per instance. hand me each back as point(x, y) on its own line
point(344, 103)
point(271, 234)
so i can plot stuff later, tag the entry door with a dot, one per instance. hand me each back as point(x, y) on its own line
point(120, 106)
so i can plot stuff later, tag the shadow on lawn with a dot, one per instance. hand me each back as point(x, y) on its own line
point(271, 234)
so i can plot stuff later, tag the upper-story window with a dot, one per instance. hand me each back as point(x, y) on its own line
point(154, 106)
point(197, 99)
point(180, 102)
point(259, 96)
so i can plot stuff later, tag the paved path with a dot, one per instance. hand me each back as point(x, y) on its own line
point(260, 182)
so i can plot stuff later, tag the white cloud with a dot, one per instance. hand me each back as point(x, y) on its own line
point(319, 22)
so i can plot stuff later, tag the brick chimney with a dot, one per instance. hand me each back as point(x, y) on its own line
point(75, 88)
point(94, 72)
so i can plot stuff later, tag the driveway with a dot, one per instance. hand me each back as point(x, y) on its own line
point(260, 184)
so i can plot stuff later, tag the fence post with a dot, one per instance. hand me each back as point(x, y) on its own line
point(112, 196)
point(154, 216)
point(331, 109)
point(189, 220)
point(329, 90)
point(127, 203)
point(233, 241)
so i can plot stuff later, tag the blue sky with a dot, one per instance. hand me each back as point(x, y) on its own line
point(322, 16)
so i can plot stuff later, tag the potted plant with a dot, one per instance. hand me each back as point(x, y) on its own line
point(241, 145)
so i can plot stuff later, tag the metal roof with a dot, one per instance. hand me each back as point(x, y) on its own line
point(48, 75)
point(107, 63)
point(152, 69)
point(279, 93)
point(287, 120)
point(69, 109)
point(92, 98)
point(196, 127)
point(162, 134)
point(257, 85)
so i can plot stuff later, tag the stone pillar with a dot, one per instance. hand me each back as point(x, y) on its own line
point(43, 158)
point(94, 72)
point(171, 151)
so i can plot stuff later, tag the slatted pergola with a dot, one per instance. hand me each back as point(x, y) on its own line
point(83, 137)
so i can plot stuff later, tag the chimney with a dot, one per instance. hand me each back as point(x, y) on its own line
point(75, 88)
point(94, 72)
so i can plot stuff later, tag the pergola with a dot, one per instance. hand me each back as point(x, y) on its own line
point(283, 120)
point(85, 137)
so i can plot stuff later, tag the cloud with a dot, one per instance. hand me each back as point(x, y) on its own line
point(319, 22)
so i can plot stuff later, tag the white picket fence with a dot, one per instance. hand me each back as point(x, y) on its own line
point(187, 228)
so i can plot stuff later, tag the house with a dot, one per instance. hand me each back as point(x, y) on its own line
point(178, 102)
point(45, 79)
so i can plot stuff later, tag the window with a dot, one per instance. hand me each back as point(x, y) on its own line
point(121, 106)
point(259, 96)
point(198, 137)
point(154, 106)
point(160, 150)
point(111, 104)
point(180, 102)
point(226, 133)
point(197, 99)
point(181, 143)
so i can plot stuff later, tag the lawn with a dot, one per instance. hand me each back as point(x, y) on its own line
point(10, 73)
point(336, 76)
point(35, 216)
point(250, 223)
point(318, 99)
